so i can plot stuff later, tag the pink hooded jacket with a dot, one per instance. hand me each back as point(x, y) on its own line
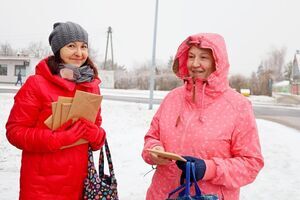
point(208, 120)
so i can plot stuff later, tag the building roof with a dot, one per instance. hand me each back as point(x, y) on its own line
point(22, 58)
point(281, 83)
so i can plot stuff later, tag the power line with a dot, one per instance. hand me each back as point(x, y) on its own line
point(109, 38)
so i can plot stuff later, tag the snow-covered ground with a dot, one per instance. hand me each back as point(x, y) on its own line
point(126, 124)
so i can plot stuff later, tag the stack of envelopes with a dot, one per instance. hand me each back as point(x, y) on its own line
point(82, 105)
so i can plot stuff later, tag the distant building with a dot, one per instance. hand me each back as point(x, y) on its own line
point(295, 75)
point(282, 87)
point(10, 66)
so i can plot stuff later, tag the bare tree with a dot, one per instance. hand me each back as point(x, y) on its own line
point(38, 49)
point(238, 82)
point(265, 77)
point(94, 56)
point(254, 84)
point(170, 62)
point(274, 63)
point(165, 79)
point(141, 75)
point(6, 49)
point(288, 70)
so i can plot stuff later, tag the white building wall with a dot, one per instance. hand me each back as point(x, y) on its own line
point(11, 62)
point(107, 78)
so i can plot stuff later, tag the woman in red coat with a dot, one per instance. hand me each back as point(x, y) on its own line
point(48, 170)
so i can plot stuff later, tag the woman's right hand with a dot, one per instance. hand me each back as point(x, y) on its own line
point(70, 132)
point(94, 134)
point(157, 160)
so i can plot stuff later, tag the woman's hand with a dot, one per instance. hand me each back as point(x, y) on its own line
point(157, 160)
point(69, 133)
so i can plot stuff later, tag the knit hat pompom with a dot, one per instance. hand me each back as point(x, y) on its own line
point(65, 33)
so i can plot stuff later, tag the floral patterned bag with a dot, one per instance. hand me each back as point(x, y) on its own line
point(100, 186)
point(184, 189)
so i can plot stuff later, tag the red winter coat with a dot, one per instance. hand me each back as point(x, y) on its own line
point(47, 173)
point(208, 120)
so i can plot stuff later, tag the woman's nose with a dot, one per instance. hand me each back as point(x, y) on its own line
point(78, 52)
point(196, 62)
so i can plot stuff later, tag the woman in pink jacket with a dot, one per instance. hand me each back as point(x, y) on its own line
point(205, 121)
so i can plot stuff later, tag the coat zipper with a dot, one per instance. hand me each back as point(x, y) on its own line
point(185, 128)
point(194, 91)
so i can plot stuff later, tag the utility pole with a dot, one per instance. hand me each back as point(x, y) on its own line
point(109, 37)
point(152, 78)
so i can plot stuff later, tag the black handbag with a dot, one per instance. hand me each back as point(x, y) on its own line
point(100, 186)
point(184, 189)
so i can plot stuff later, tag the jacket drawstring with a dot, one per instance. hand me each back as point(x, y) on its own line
point(202, 101)
point(194, 99)
point(179, 115)
point(194, 90)
point(177, 120)
point(181, 107)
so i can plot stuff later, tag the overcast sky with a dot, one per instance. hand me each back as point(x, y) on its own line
point(251, 28)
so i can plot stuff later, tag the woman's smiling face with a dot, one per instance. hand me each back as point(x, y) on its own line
point(74, 53)
point(200, 62)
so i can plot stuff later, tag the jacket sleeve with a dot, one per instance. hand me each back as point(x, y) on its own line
point(152, 137)
point(21, 125)
point(247, 159)
point(102, 134)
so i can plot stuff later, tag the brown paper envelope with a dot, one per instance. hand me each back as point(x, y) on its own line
point(79, 142)
point(85, 105)
point(48, 122)
point(65, 108)
point(57, 114)
point(53, 107)
point(168, 155)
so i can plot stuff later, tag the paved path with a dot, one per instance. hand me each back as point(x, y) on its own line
point(286, 115)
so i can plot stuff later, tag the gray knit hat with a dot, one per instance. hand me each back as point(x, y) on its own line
point(64, 33)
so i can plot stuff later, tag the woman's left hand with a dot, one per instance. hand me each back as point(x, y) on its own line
point(156, 159)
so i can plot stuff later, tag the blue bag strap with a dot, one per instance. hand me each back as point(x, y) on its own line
point(176, 190)
point(187, 178)
point(197, 188)
point(184, 185)
point(190, 180)
point(190, 167)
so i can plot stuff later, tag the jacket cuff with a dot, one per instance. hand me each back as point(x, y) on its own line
point(146, 154)
point(210, 171)
point(54, 143)
point(100, 140)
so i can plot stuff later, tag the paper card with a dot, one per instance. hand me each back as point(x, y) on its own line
point(53, 107)
point(79, 142)
point(49, 122)
point(168, 155)
point(57, 113)
point(85, 105)
point(65, 109)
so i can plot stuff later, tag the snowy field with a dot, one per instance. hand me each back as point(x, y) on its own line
point(126, 124)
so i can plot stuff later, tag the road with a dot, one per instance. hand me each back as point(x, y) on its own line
point(287, 116)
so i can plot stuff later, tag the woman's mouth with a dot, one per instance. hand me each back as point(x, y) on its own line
point(197, 71)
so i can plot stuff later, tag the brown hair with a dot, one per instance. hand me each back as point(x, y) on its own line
point(55, 60)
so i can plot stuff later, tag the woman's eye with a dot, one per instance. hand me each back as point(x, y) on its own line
point(71, 45)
